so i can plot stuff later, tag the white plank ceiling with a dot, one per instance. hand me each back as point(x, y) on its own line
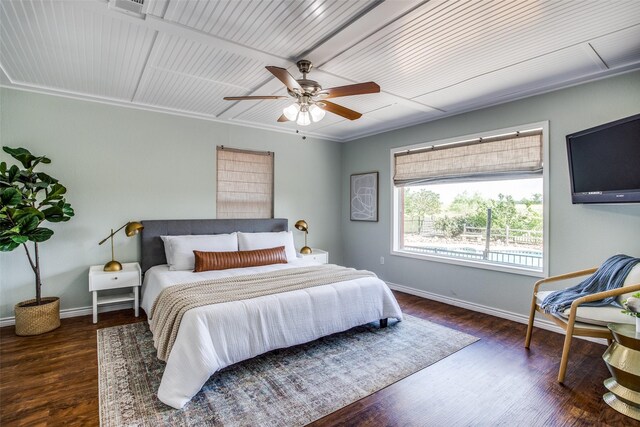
point(431, 58)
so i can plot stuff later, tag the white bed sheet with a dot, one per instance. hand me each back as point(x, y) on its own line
point(215, 336)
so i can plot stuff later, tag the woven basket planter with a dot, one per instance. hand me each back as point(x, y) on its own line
point(37, 319)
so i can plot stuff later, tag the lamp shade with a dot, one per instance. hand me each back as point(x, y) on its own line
point(133, 228)
point(291, 112)
point(316, 112)
point(302, 225)
point(304, 118)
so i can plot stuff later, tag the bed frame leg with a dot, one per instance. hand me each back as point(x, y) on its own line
point(383, 323)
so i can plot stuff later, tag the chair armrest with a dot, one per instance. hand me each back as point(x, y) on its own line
point(565, 276)
point(606, 294)
point(598, 296)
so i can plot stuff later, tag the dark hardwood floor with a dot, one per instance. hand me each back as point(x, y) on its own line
point(52, 379)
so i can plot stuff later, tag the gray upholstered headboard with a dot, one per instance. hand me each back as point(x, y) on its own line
point(153, 248)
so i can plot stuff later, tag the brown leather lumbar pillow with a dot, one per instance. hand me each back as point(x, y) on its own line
point(206, 261)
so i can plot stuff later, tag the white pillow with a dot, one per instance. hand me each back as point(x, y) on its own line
point(179, 249)
point(632, 279)
point(253, 241)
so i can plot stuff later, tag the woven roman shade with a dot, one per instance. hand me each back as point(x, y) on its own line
point(499, 157)
point(245, 184)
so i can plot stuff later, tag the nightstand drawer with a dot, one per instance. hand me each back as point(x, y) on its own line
point(317, 255)
point(322, 258)
point(111, 280)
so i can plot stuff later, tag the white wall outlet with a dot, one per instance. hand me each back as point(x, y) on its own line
point(381, 260)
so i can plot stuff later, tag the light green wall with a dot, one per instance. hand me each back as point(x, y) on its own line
point(581, 236)
point(123, 164)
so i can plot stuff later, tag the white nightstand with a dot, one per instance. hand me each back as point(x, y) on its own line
point(100, 280)
point(317, 255)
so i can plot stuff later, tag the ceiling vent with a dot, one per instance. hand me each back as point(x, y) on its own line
point(131, 7)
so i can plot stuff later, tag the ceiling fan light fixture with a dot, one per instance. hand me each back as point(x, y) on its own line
point(304, 118)
point(316, 112)
point(291, 112)
point(309, 97)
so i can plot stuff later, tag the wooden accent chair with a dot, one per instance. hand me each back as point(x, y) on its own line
point(583, 321)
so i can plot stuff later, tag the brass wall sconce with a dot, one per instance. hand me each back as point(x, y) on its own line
point(132, 228)
point(303, 226)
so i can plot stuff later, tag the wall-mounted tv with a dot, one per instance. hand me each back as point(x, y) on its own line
point(604, 162)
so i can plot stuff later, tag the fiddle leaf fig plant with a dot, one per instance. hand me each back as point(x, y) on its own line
point(28, 199)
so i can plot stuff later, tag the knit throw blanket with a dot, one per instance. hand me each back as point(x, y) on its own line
point(611, 275)
point(175, 301)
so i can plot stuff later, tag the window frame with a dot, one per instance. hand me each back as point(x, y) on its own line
point(395, 214)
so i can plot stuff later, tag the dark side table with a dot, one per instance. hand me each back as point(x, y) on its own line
point(623, 360)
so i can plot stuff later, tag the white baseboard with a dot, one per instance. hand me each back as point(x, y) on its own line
point(504, 314)
point(73, 312)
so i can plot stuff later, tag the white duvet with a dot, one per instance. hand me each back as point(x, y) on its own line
point(215, 336)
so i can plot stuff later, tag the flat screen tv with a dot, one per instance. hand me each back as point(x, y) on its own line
point(604, 162)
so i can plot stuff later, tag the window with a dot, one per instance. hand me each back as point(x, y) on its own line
point(244, 183)
point(473, 200)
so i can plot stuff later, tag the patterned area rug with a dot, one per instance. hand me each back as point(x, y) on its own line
point(286, 387)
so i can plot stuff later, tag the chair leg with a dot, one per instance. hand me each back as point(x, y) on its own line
point(565, 352)
point(532, 316)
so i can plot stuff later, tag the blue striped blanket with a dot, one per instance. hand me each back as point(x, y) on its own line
point(611, 275)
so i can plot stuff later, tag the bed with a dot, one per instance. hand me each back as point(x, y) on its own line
point(214, 336)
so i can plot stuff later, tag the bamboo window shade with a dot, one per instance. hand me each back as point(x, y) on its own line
point(499, 157)
point(244, 183)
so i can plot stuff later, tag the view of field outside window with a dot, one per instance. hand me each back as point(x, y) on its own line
point(499, 222)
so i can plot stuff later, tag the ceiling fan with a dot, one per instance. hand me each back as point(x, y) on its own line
point(310, 99)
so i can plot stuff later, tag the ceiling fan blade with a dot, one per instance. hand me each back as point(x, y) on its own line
point(241, 98)
point(285, 77)
point(283, 118)
point(339, 110)
point(356, 89)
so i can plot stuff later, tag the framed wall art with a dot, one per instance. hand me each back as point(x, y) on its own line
point(364, 197)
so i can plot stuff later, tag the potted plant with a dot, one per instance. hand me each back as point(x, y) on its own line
point(27, 199)
point(632, 308)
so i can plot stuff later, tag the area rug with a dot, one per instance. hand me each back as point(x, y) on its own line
point(287, 387)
